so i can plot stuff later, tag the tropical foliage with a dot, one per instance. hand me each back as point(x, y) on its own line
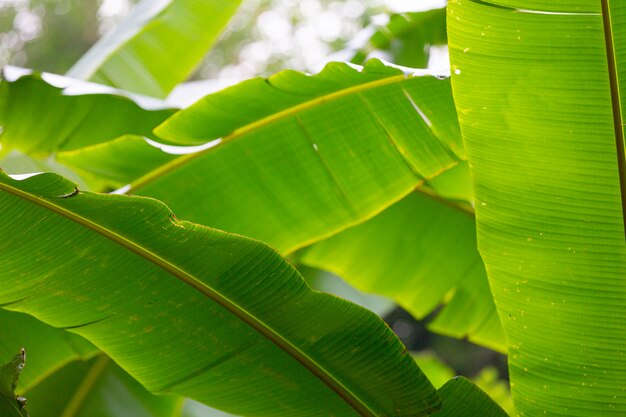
point(151, 247)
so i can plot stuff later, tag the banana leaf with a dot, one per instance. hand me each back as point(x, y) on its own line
point(182, 180)
point(157, 46)
point(194, 311)
point(44, 113)
point(302, 157)
point(539, 87)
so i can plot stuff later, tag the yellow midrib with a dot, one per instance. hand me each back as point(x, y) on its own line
point(618, 118)
point(174, 164)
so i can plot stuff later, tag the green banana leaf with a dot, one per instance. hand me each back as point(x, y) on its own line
point(113, 164)
point(407, 37)
point(98, 388)
point(49, 349)
point(157, 46)
point(44, 113)
point(539, 87)
point(461, 398)
point(10, 404)
point(404, 253)
point(195, 311)
point(303, 157)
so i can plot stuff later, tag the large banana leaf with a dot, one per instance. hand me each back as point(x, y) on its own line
point(540, 91)
point(303, 157)
point(196, 311)
point(45, 113)
point(157, 46)
point(405, 253)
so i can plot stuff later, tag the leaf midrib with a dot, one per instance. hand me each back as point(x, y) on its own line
point(282, 343)
point(257, 124)
point(615, 104)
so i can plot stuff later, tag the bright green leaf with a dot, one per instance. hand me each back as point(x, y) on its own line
point(541, 118)
point(44, 113)
point(157, 46)
point(435, 370)
point(407, 37)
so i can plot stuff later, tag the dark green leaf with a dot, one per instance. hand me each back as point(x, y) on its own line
point(303, 157)
point(196, 311)
point(461, 398)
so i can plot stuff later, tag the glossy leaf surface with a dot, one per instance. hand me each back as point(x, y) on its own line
point(196, 311)
point(538, 86)
point(157, 46)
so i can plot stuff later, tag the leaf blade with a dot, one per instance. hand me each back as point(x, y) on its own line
point(92, 318)
point(550, 214)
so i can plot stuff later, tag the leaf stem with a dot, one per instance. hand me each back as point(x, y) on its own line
point(616, 104)
point(86, 386)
